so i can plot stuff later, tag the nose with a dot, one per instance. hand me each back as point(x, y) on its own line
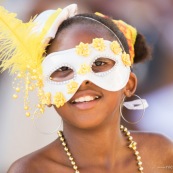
point(85, 83)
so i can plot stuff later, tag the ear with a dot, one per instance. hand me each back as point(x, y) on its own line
point(131, 85)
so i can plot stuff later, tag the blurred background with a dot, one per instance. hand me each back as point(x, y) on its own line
point(153, 18)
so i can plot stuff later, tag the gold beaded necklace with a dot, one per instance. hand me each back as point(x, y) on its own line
point(132, 145)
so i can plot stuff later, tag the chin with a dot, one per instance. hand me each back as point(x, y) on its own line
point(86, 116)
point(86, 121)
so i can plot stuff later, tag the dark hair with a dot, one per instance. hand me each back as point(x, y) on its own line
point(142, 50)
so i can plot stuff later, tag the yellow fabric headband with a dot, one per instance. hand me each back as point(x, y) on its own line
point(129, 32)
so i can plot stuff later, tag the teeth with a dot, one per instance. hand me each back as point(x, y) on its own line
point(85, 99)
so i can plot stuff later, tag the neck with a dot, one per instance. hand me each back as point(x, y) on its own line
point(102, 146)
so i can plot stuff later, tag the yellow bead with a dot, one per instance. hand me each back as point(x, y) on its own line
point(73, 163)
point(136, 153)
point(138, 158)
point(27, 114)
point(121, 127)
point(38, 106)
point(68, 154)
point(128, 133)
point(75, 167)
point(134, 144)
point(64, 144)
point(77, 171)
point(125, 129)
point(134, 147)
point(139, 163)
point(15, 96)
point(19, 75)
point(59, 132)
point(70, 158)
point(130, 138)
point(41, 110)
point(65, 148)
point(141, 168)
point(17, 89)
point(26, 107)
point(60, 135)
point(62, 139)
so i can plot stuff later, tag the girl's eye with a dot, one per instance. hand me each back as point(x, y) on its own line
point(63, 73)
point(63, 68)
point(102, 64)
point(98, 63)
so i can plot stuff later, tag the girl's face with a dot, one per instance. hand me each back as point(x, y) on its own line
point(91, 106)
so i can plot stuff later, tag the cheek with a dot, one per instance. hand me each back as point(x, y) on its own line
point(113, 101)
point(62, 110)
point(68, 116)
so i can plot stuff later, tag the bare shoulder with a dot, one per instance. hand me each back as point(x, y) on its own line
point(156, 150)
point(158, 141)
point(47, 159)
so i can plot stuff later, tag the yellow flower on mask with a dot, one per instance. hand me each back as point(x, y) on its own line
point(59, 99)
point(47, 98)
point(126, 59)
point(98, 43)
point(72, 87)
point(84, 69)
point(82, 49)
point(115, 47)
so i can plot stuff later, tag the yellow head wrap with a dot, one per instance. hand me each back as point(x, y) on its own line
point(129, 32)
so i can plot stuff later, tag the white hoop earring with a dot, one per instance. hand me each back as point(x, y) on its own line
point(134, 105)
point(35, 120)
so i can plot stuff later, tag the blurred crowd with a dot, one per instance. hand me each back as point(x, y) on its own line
point(153, 18)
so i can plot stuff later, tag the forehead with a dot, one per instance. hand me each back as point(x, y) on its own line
point(74, 34)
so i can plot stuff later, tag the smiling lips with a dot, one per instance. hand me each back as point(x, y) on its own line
point(85, 99)
point(86, 102)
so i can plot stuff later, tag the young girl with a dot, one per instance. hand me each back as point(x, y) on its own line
point(86, 76)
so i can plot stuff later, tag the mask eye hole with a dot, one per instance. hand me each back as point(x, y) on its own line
point(63, 73)
point(102, 64)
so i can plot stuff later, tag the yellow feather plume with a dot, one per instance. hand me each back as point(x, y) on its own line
point(22, 49)
point(17, 43)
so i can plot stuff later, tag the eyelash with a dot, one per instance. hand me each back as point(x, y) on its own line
point(102, 63)
point(63, 68)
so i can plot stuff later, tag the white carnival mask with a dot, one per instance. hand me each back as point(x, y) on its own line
point(102, 62)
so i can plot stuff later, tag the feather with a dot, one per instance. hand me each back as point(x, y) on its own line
point(22, 50)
